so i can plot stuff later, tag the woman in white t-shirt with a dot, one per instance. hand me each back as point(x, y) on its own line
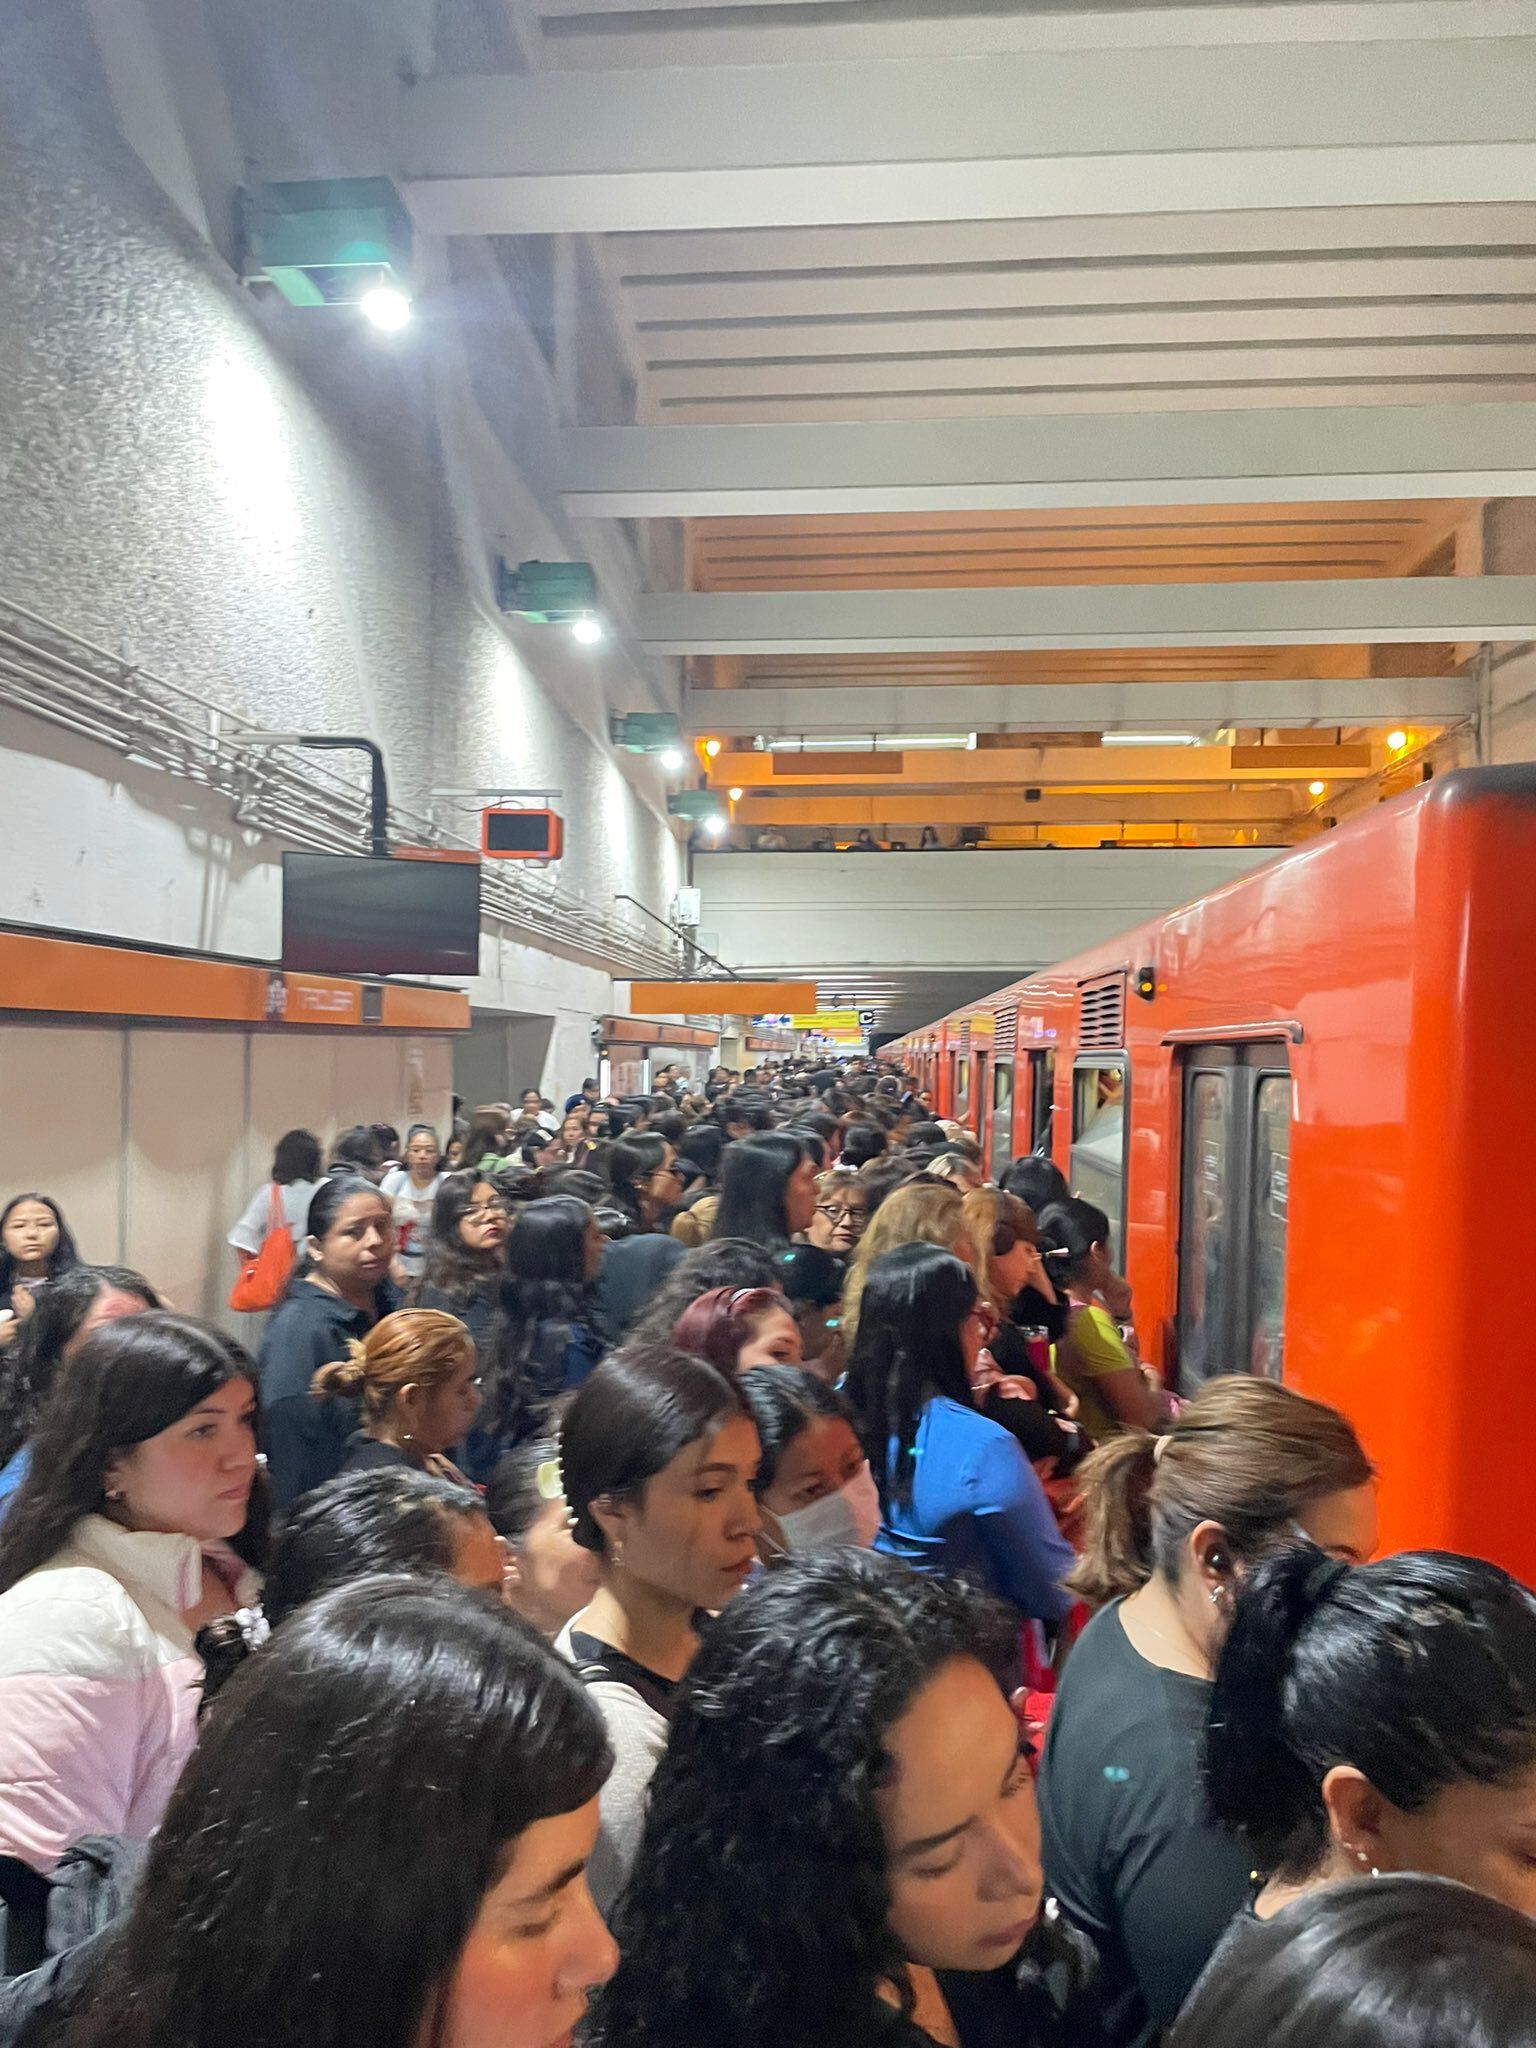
point(295, 1176)
point(412, 1189)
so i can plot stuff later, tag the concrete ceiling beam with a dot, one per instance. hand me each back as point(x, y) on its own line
point(1079, 707)
point(1342, 611)
point(1287, 455)
point(973, 137)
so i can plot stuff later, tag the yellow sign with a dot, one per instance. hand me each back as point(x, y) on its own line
point(826, 1020)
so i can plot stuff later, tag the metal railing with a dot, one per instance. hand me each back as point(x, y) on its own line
point(299, 798)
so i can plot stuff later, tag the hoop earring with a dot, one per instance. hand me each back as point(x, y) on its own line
point(406, 1437)
point(618, 1556)
point(1365, 1862)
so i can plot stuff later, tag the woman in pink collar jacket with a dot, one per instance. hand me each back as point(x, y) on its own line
point(135, 1525)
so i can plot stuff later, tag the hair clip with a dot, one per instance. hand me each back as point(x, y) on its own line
point(548, 1480)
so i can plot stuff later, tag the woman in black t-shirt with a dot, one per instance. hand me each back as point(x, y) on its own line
point(1172, 1525)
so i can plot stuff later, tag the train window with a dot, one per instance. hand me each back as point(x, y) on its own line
point(977, 1094)
point(1097, 1170)
point(1270, 1197)
point(1234, 1189)
point(1042, 1066)
point(1002, 1118)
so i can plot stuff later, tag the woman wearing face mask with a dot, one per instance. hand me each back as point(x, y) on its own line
point(814, 1484)
point(957, 1494)
point(549, 1577)
point(412, 1190)
point(341, 1289)
point(465, 1254)
point(78, 1302)
point(842, 1845)
point(417, 1378)
point(118, 1547)
point(430, 1876)
point(737, 1327)
point(35, 1248)
point(657, 1458)
point(1375, 1719)
point(767, 1189)
point(1171, 1525)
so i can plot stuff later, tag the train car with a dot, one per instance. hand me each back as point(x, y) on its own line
point(1304, 1103)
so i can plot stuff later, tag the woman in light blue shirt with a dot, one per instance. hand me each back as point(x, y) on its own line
point(957, 1494)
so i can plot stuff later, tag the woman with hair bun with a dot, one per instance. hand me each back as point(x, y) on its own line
point(1171, 1526)
point(416, 1376)
point(1379, 1719)
point(738, 1327)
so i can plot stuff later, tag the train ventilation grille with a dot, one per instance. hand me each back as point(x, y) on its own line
point(1005, 1038)
point(1103, 1015)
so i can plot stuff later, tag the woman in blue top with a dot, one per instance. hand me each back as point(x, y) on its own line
point(957, 1494)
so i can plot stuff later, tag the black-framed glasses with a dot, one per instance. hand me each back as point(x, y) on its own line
point(839, 1212)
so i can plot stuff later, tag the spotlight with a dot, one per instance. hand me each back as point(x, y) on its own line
point(1317, 789)
point(1397, 741)
point(587, 630)
point(736, 795)
point(714, 824)
point(387, 307)
point(670, 759)
point(712, 747)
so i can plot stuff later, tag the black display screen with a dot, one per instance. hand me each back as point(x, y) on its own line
point(350, 914)
point(518, 832)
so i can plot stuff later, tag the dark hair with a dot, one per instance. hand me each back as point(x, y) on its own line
point(416, 1731)
point(883, 1176)
point(296, 1157)
point(1244, 1452)
point(579, 1181)
point(631, 1161)
point(1038, 1182)
point(863, 1142)
point(929, 1136)
point(747, 1106)
point(392, 1519)
point(809, 1276)
point(702, 1145)
point(128, 1381)
point(1405, 1961)
point(1419, 1670)
point(1075, 1227)
point(629, 1419)
point(514, 1494)
point(908, 1349)
point(325, 1205)
point(60, 1259)
point(546, 1283)
point(359, 1148)
point(784, 1400)
point(486, 1134)
point(720, 1262)
point(757, 1910)
point(670, 1123)
point(719, 1323)
point(28, 1365)
point(753, 1175)
point(415, 1131)
point(448, 1264)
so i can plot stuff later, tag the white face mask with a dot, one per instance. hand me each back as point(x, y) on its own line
point(849, 1518)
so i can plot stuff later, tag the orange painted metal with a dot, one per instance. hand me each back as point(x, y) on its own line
point(1396, 959)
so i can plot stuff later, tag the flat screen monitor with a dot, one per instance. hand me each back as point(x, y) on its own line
point(352, 914)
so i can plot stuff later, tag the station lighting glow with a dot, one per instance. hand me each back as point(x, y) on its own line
point(1397, 741)
point(587, 630)
point(712, 747)
point(1317, 789)
point(671, 759)
point(736, 795)
point(1153, 739)
point(714, 825)
point(872, 743)
point(387, 307)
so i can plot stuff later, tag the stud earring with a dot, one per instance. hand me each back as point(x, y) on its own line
point(114, 1493)
point(618, 1555)
point(1365, 1862)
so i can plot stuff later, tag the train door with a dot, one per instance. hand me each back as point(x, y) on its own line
point(979, 1104)
point(1100, 1132)
point(1233, 1212)
point(1042, 1096)
point(1000, 1151)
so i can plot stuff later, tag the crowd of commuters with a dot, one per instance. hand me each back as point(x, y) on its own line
point(712, 1567)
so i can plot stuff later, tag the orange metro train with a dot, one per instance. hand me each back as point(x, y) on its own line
point(1301, 1102)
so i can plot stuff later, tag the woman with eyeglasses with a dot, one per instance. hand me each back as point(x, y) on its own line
point(957, 1494)
point(842, 1213)
point(645, 1182)
point(465, 1257)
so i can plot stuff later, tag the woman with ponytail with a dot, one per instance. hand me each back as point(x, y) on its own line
point(1171, 1526)
point(1376, 1720)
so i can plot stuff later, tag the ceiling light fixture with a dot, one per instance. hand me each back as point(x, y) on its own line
point(671, 759)
point(736, 795)
point(1153, 739)
point(1317, 789)
point(1397, 740)
point(587, 630)
point(714, 824)
point(712, 748)
point(387, 307)
point(874, 743)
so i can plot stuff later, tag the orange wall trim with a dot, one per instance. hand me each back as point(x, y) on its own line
point(70, 977)
point(723, 998)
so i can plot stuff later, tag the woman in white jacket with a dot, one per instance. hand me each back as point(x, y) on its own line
point(133, 1528)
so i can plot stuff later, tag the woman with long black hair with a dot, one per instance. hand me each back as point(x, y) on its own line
point(957, 1494)
point(842, 1846)
point(767, 1189)
point(381, 1837)
point(463, 1262)
point(137, 1523)
point(35, 1248)
point(644, 1180)
point(544, 1341)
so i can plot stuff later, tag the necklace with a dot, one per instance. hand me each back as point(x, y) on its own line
point(1188, 1648)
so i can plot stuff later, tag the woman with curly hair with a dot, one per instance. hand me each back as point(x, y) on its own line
point(842, 1846)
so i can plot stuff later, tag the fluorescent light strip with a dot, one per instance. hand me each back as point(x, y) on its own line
point(877, 743)
point(1153, 739)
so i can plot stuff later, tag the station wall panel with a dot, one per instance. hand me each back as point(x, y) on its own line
point(61, 1126)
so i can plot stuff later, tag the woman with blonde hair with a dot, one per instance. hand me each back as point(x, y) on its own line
point(922, 1211)
point(1173, 1525)
point(418, 1380)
